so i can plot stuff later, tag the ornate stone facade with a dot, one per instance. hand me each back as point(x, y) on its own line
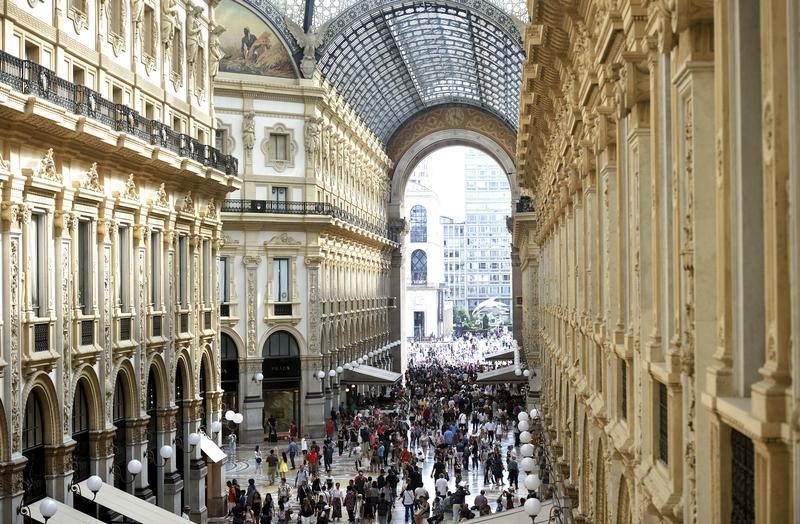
point(86, 311)
point(658, 265)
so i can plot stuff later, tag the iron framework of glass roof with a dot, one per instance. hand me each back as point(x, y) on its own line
point(394, 59)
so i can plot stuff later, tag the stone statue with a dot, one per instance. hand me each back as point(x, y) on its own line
point(249, 130)
point(309, 42)
point(215, 52)
point(169, 21)
point(313, 131)
point(194, 36)
point(137, 17)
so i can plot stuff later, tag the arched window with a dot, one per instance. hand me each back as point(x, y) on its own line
point(419, 224)
point(81, 455)
point(419, 267)
point(229, 376)
point(280, 344)
point(33, 449)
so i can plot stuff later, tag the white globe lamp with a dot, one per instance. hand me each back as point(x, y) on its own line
point(165, 451)
point(523, 415)
point(94, 483)
point(526, 450)
point(48, 508)
point(532, 482)
point(527, 464)
point(533, 507)
point(523, 425)
point(229, 414)
point(134, 467)
point(525, 437)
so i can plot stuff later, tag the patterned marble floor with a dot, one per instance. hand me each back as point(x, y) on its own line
point(243, 468)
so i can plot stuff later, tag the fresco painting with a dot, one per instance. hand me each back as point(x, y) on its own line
point(249, 45)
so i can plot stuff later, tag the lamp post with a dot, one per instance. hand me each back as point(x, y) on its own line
point(47, 507)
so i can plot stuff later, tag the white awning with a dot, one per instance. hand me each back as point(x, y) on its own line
point(505, 354)
point(370, 375)
point(132, 507)
point(64, 515)
point(211, 449)
point(500, 375)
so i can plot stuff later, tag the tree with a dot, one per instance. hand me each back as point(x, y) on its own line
point(460, 317)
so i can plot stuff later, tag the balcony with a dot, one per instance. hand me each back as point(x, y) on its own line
point(419, 278)
point(277, 207)
point(125, 328)
point(87, 332)
point(525, 205)
point(41, 337)
point(156, 326)
point(224, 310)
point(283, 310)
point(31, 78)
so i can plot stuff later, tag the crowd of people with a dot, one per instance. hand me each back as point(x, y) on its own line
point(440, 418)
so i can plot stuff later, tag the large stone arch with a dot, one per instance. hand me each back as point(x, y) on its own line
point(183, 360)
point(237, 340)
point(302, 347)
point(41, 383)
point(445, 126)
point(124, 369)
point(94, 394)
point(163, 391)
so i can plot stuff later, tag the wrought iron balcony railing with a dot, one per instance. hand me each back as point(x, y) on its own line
point(29, 77)
point(276, 207)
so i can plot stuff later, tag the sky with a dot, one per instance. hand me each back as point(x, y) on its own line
point(446, 168)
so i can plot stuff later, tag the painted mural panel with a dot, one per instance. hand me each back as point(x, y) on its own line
point(249, 45)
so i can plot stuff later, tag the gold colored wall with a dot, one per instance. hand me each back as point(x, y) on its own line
point(661, 270)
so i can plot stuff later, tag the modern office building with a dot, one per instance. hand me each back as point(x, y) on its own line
point(477, 252)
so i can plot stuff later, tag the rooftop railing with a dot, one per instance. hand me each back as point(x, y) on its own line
point(29, 77)
point(276, 207)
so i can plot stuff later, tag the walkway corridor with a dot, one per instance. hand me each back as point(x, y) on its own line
point(439, 391)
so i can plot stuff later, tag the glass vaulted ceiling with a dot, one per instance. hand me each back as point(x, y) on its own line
point(394, 59)
point(326, 10)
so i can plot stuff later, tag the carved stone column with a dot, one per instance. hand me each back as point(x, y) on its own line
point(172, 482)
point(251, 430)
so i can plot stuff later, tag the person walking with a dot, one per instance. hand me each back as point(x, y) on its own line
point(272, 466)
point(292, 451)
point(383, 510)
point(408, 503)
point(513, 472)
point(283, 467)
point(258, 457)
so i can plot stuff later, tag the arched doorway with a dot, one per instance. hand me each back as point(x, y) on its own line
point(33, 449)
point(281, 384)
point(153, 428)
point(119, 419)
point(229, 377)
point(81, 455)
point(181, 438)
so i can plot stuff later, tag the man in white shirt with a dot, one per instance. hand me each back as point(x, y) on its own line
point(441, 486)
point(490, 428)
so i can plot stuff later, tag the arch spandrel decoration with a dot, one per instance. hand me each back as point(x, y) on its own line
point(449, 117)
